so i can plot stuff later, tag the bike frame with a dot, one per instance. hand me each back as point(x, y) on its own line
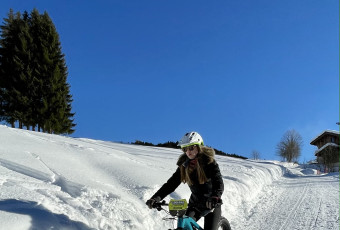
point(187, 222)
point(183, 222)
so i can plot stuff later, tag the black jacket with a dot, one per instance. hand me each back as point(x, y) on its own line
point(199, 192)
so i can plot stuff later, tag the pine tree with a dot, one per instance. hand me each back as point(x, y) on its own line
point(15, 71)
point(6, 50)
point(33, 77)
point(55, 114)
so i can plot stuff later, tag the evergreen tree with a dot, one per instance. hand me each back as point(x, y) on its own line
point(15, 71)
point(54, 111)
point(33, 77)
point(6, 50)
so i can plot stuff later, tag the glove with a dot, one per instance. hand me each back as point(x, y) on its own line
point(151, 201)
point(213, 201)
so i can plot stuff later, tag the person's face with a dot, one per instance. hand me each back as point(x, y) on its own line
point(191, 152)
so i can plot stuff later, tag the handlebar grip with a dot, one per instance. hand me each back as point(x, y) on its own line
point(158, 205)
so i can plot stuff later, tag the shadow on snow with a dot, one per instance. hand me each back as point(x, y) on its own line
point(41, 218)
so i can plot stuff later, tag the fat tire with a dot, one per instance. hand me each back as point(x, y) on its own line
point(223, 224)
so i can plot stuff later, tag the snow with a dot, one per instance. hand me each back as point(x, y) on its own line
point(325, 146)
point(56, 182)
point(335, 132)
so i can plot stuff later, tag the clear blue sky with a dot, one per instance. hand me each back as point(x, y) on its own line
point(241, 73)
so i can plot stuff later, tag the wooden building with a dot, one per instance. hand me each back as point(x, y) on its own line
point(327, 154)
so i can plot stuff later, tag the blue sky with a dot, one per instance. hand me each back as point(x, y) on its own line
point(241, 73)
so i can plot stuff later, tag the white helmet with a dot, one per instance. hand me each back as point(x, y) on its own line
point(192, 138)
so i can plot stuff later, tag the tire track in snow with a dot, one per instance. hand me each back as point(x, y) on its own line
point(292, 214)
point(90, 206)
point(98, 207)
point(317, 216)
point(26, 171)
point(72, 188)
point(291, 203)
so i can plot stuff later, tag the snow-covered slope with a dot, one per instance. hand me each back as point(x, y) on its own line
point(50, 181)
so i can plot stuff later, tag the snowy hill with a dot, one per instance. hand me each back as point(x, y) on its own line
point(55, 182)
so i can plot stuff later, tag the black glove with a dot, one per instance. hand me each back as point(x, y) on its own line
point(151, 201)
point(213, 201)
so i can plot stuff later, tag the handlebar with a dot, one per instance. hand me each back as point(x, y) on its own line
point(158, 205)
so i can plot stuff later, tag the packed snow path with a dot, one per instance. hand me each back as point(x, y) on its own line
point(55, 182)
point(296, 202)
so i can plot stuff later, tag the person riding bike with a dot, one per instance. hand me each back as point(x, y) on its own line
point(198, 168)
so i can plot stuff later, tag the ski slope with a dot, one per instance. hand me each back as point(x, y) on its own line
point(55, 182)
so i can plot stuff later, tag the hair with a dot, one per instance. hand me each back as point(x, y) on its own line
point(187, 171)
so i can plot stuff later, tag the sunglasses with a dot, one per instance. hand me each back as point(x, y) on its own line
point(190, 148)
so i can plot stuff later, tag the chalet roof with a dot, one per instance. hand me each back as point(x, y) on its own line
point(325, 146)
point(330, 132)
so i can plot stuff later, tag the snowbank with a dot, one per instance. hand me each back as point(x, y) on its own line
point(53, 181)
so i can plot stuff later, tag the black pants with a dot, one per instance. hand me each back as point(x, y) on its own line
point(210, 220)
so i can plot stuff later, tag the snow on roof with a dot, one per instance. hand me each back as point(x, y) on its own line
point(335, 132)
point(325, 146)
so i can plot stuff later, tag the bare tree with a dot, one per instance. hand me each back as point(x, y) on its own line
point(289, 148)
point(255, 155)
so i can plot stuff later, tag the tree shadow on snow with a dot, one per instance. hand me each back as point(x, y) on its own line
point(41, 218)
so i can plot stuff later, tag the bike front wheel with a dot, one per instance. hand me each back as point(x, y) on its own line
point(223, 224)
